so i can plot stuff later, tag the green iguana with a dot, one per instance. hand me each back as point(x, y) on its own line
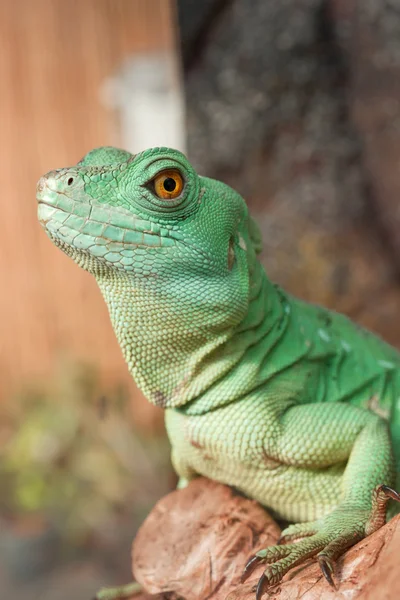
point(294, 405)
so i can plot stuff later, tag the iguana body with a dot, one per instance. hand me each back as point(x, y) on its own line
point(293, 404)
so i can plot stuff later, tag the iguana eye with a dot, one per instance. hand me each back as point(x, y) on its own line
point(168, 184)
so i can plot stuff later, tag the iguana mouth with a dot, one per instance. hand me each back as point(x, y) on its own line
point(109, 234)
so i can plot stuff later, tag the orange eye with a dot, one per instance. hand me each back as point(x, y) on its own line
point(168, 184)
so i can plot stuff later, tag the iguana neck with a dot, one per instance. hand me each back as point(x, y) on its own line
point(176, 362)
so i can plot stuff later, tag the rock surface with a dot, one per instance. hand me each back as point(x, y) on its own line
point(195, 542)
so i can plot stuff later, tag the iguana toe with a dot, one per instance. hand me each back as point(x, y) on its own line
point(297, 532)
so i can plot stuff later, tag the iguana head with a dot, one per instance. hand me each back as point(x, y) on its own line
point(171, 251)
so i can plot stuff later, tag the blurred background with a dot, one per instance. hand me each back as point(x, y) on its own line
point(296, 104)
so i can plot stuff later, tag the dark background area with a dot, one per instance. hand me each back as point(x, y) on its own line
point(296, 104)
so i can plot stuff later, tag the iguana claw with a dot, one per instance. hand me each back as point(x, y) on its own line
point(261, 586)
point(327, 569)
point(380, 497)
point(250, 566)
point(390, 492)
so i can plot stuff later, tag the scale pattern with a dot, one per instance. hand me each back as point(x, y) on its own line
point(293, 404)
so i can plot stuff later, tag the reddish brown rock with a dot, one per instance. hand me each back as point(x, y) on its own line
point(195, 542)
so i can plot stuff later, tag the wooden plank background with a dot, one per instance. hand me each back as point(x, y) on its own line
point(54, 57)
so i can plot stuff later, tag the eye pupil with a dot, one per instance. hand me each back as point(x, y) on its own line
point(169, 184)
point(70, 181)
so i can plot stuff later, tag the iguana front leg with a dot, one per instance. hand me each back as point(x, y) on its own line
point(318, 461)
point(331, 433)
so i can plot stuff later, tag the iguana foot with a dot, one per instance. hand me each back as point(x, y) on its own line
point(326, 539)
point(121, 592)
point(293, 533)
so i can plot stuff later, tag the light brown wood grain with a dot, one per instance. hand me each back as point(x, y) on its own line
point(54, 57)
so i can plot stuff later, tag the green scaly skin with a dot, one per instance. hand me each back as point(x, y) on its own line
point(295, 405)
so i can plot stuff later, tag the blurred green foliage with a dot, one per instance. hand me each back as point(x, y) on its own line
point(75, 456)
